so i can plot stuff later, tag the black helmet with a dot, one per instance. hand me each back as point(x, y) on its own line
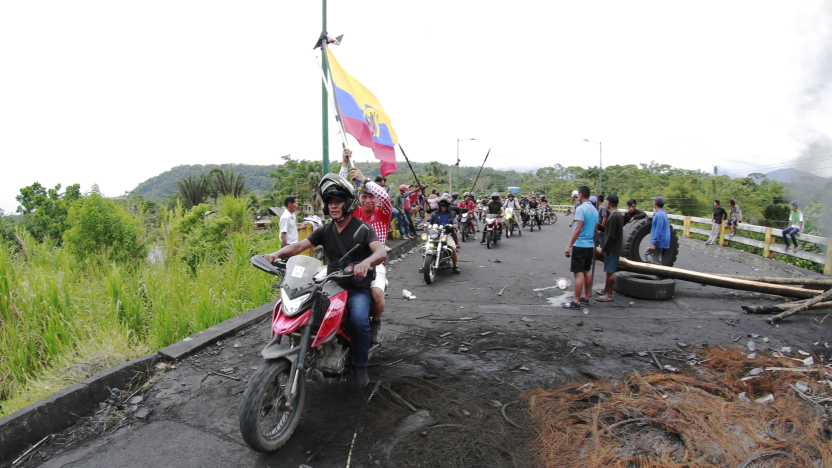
point(495, 196)
point(542, 198)
point(455, 195)
point(334, 186)
point(511, 195)
point(444, 201)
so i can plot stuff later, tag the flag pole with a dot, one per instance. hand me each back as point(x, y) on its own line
point(478, 173)
point(338, 116)
point(324, 109)
point(411, 167)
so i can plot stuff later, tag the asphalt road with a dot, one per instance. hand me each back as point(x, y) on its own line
point(457, 332)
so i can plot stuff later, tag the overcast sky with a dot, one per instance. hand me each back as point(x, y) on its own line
point(115, 92)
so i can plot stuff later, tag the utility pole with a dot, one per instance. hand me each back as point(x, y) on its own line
point(600, 163)
point(324, 104)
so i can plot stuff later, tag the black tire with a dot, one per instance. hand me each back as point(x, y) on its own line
point(465, 234)
point(644, 286)
point(539, 227)
point(531, 223)
point(488, 239)
point(636, 231)
point(519, 231)
point(509, 229)
point(554, 218)
point(428, 269)
point(265, 383)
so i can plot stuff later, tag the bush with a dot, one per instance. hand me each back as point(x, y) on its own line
point(99, 225)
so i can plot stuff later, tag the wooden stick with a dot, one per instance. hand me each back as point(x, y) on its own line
point(773, 308)
point(800, 308)
point(502, 291)
point(822, 282)
point(713, 280)
point(33, 447)
point(223, 375)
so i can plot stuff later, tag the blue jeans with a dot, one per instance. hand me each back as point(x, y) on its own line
point(358, 308)
point(791, 230)
point(404, 225)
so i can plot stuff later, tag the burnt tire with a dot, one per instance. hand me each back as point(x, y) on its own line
point(641, 286)
point(636, 231)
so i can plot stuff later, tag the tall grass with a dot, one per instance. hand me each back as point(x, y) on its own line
point(62, 320)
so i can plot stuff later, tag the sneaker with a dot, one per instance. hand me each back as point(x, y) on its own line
point(421, 269)
point(482, 241)
point(361, 376)
point(456, 269)
point(794, 250)
point(375, 327)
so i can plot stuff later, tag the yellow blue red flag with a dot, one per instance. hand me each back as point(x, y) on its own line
point(363, 116)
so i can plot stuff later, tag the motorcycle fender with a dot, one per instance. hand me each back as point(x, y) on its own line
point(430, 252)
point(275, 311)
point(283, 325)
point(333, 318)
point(275, 351)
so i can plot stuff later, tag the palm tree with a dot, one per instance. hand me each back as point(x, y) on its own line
point(438, 171)
point(194, 190)
point(227, 183)
point(313, 180)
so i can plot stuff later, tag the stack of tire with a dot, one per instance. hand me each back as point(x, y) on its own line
point(639, 285)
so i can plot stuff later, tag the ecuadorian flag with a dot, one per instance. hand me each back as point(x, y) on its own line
point(363, 116)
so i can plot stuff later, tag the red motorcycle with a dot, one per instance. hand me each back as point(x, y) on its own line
point(311, 314)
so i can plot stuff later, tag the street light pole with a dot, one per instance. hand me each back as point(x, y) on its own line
point(457, 159)
point(600, 163)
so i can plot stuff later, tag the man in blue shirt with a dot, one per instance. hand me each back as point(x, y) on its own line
point(660, 232)
point(582, 248)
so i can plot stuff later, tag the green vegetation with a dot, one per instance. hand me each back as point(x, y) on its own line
point(45, 210)
point(68, 312)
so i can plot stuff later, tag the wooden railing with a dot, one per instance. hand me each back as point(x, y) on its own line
point(768, 245)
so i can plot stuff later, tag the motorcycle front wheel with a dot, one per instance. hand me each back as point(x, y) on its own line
point(464, 234)
point(429, 269)
point(265, 424)
point(488, 239)
point(509, 230)
point(554, 218)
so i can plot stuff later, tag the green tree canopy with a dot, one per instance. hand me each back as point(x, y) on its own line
point(99, 225)
point(45, 210)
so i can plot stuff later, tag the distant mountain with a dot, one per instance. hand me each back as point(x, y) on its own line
point(164, 185)
point(258, 181)
point(787, 176)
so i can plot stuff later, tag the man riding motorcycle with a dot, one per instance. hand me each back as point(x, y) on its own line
point(441, 217)
point(468, 203)
point(376, 210)
point(533, 205)
point(495, 207)
point(339, 202)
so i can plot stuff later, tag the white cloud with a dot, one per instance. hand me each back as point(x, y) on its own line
point(114, 92)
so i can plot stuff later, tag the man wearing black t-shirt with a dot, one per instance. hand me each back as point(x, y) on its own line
point(340, 200)
point(612, 246)
point(719, 216)
point(633, 212)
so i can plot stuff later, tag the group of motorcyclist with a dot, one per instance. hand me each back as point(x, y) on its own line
point(373, 206)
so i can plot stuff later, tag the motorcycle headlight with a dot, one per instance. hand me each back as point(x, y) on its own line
point(444, 238)
point(434, 233)
point(424, 236)
point(291, 306)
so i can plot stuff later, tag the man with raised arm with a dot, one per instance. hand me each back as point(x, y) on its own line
point(376, 210)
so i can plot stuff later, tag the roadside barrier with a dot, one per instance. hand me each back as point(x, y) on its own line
point(769, 245)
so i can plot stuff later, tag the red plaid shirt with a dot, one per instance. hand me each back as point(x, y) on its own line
point(379, 219)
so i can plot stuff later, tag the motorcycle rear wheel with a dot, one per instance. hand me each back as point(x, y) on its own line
point(554, 218)
point(429, 269)
point(264, 398)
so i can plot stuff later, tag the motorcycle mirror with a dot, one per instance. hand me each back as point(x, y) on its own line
point(260, 262)
point(362, 235)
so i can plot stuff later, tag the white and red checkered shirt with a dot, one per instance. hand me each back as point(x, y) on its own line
point(379, 219)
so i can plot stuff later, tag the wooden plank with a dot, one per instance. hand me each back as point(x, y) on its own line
point(704, 232)
point(827, 269)
point(751, 228)
point(767, 247)
point(747, 241)
point(713, 280)
point(702, 220)
point(675, 216)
